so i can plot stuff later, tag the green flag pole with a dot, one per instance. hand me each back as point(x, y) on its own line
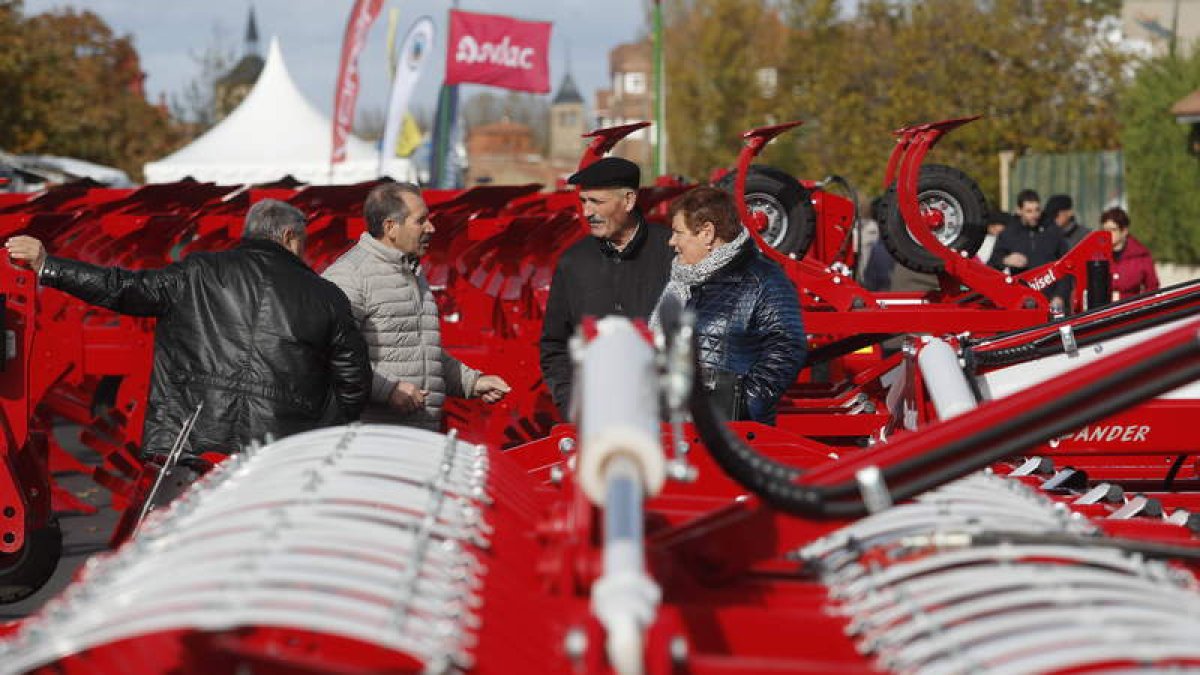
point(660, 91)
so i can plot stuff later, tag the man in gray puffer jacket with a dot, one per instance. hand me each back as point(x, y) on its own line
point(394, 307)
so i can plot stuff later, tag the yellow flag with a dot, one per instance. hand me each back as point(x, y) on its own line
point(410, 137)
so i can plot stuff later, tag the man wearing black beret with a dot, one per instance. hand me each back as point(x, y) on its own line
point(620, 269)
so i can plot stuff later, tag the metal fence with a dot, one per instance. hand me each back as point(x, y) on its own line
point(1095, 180)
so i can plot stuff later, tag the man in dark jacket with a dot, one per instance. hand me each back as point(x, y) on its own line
point(620, 269)
point(253, 335)
point(1031, 243)
point(1060, 211)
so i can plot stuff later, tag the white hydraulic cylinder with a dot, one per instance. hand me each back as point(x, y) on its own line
point(618, 405)
point(621, 461)
point(944, 379)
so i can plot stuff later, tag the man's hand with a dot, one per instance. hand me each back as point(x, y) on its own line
point(26, 251)
point(491, 388)
point(1015, 260)
point(407, 398)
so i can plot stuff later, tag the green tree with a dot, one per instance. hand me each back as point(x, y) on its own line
point(722, 70)
point(1045, 80)
point(1161, 178)
point(72, 88)
point(195, 104)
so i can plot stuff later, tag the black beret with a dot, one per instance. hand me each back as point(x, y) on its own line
point(608, 172)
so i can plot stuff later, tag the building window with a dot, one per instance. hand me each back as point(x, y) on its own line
point(635, 83)
point(566, 118)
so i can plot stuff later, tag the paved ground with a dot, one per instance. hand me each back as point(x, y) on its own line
point(83, 535)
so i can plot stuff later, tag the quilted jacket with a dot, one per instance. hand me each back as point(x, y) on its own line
point(748, 323)
point(395, 309)
point(254, 334)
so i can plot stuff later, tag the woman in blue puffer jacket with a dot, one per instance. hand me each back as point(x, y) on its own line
point(749, 332)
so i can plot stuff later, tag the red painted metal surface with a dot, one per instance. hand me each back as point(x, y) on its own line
point(737, 594)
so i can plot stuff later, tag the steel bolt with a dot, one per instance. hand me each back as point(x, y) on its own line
point(566, 445)
point(575, 644)
point(556, 475)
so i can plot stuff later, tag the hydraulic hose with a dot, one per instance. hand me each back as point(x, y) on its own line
point(1088, 333)
point(906, 471)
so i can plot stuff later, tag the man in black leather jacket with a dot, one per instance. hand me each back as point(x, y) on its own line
point(263, 342)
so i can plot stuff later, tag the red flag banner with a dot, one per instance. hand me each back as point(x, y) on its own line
point(361, 17)
point(498, 50)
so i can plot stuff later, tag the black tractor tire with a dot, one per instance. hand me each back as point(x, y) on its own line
point(24, 572)
point(962, 204)
point(791, 220)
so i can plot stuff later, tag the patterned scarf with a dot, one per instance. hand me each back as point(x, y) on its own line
point(686, 277)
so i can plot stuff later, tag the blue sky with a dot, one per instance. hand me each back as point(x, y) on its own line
point(166, 35)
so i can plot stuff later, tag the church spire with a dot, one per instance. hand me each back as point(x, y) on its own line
point(252, 35)
point(568, 92)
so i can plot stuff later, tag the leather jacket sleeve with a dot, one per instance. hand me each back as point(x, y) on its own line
point(556, 331)
point(349, 364)
point(783, 345)
point(138, 293)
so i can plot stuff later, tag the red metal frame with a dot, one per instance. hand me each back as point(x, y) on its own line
point(721, 557)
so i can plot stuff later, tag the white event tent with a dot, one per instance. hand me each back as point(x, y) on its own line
point(274, 132)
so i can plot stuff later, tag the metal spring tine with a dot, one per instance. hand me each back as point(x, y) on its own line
point(421, 642)
point(962, 588)
point(956, 583)
point(1148, 652)
point(1048, 633)
point(1003, 555)
point(169, 464)
point(304, 599)
point(896, 630)
point(370, 501)
point(266, 568)
point(409, 581)
point(912, 522)
point(272, 547)
point(932, 510)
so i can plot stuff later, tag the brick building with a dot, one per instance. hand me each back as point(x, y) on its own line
point(629, 99)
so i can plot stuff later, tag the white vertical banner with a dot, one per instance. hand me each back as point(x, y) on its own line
point(414, 51)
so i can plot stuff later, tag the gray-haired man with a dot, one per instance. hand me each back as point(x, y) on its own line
point(251, 336)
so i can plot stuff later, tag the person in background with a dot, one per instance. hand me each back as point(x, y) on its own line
point(620, 269)
point(748, 325)
point(1133, 267)
point(394, 307)
point(1031, 243)
point(251, 337)
point(1060, 212)
point(875, 262)
point(996, 223)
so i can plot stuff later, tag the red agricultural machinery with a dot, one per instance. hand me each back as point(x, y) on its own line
point(1001, 493)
